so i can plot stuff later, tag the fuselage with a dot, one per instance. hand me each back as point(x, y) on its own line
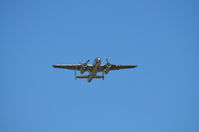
point(94, 70)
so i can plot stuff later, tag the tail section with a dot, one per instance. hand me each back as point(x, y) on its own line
point(90, 78)
point(87, 76)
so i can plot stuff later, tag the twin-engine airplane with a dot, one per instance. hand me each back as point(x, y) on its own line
point(94, 68)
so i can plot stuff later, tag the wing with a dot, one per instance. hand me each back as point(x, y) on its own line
point(118, 67)
point(68, 66)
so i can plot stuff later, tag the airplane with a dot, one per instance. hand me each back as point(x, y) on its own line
point(93, 69)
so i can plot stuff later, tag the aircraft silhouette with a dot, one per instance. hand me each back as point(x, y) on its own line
point(93, 69)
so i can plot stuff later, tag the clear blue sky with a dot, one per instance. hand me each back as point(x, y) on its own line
point(161, 95)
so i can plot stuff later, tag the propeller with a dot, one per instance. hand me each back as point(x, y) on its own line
point(108, 66)
point(85, 63)
point(108, 63)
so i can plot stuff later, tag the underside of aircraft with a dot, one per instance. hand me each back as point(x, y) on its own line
point(93, 69)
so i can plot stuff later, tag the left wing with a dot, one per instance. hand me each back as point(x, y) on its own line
point(69, 66)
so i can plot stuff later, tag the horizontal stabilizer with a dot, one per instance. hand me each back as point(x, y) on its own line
point(87, 76)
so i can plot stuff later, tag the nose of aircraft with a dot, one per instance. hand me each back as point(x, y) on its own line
point(99, 59)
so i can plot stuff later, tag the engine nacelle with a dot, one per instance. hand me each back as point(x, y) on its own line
point(106, 71)
point(82, 69)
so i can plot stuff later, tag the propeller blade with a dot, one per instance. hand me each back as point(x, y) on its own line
point(84, 62)
point(107, 60)
point(87, 61)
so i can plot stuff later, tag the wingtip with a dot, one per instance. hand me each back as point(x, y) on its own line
point(134, 66)
point(54, 66)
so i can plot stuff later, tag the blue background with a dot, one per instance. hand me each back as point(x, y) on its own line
point(161, 95)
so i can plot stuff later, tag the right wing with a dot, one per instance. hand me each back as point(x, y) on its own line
point(69, 66)
point(118, 67)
